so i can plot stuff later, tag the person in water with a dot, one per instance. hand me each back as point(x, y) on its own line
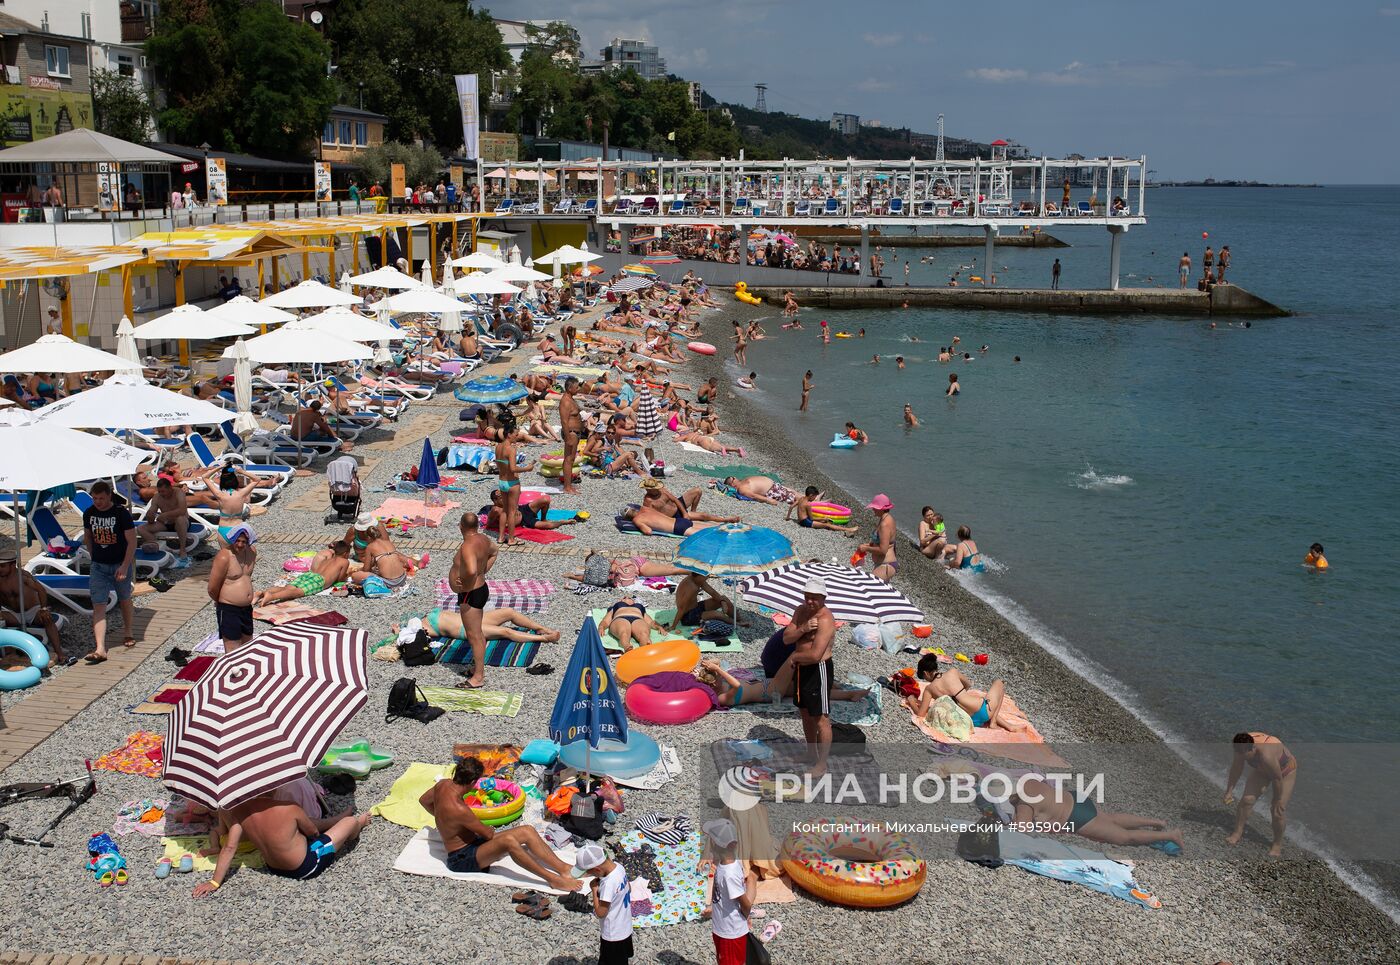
point(910, 419)
point(1270, 765)
point(1315, 559)
point(857, 434)
point(963, 555)
point(953, 387)
point(933, 533)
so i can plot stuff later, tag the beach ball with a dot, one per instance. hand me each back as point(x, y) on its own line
point(1205, 234)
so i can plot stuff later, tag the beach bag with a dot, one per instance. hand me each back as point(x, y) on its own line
point(376, 587)
point(847, 740)
point(585, 817)
point(755, 952)
point(417, 653)
point(892, 637)
point(407, 701)
point(951, 719)
point(866, 636)
point(981, 847)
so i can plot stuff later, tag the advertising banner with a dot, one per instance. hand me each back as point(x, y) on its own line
point(323, 181)
point(216, 176)
point(471, 117)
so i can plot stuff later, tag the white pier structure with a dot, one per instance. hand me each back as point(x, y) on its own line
point(982, 194)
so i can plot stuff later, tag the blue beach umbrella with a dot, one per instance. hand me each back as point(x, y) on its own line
point(733, 549)
point(490, 389)
point(427, 467)
point(588, 706)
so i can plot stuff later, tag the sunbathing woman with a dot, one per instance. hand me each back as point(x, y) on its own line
point(710, 444)
point(692, 610)
point(536, 423)
point(990, 709)
point(501, 623)
point(599, 570)
point(528, 515)
point(621, 623)
point(732, 692)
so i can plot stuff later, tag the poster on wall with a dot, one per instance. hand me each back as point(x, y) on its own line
point(109, 186)
point(471, 119)
point(323, 181)
point(33, 113)
point(398, 181)
point(216, 175)
point(455, 175)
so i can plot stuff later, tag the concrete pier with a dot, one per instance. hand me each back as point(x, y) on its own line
point(1223, 300)
point(1018, 240)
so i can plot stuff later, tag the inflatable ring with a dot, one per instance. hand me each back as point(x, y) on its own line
point(854, 869)
point(681, 655)
point(510, 808)
point(843, 442)
point(701, 348)
point(666, 707)
point(831, 512)
point(613, 758)
point(501, 822)
point(30, 646)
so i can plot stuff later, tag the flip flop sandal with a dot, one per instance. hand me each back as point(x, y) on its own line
point(106, 879)
point(539, 669)
point(536, 912)
point(94, 658)
point(163, 867)
point(129, 642)
point(771, 931)
point(159, 584)
point(530, 898)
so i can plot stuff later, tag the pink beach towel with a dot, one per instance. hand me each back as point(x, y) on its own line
point(414, 510)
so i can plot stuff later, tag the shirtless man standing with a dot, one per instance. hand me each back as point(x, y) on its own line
point(328, 567)
point(806, 390)
point(1184, 268)
point(572, 426)
point(811, 632)
point(290, 842)
point(168, 512)
point(231, 587)
point(467, 578)
point(36, 609)
point(473, 847)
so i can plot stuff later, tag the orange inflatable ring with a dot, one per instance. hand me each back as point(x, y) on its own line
point(852, 868)
point(679, 655)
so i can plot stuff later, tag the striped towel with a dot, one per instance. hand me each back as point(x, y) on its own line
point(499, 653)
point(525, 596)
point(492, 703)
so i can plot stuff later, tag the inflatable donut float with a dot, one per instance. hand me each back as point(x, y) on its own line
point(664, 707)
point(701, 348)
point(831, 512)
point(488, 812)
point(853, 868)
point(679, 655)
point(613, 758)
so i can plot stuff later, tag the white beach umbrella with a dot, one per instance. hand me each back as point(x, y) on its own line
point(126, 341)
point(244, 311)
point(35, 455)
point(427, 273)
point(567, 255)
point(58, 353)
point(451, 320)
point(310, 294)
point(127, 401)
point(478, 259)
point(343, 323)
point(345, 284)
point(517, 273)
point(386, 277)
point(192, 323)
point(245, 421)
point(302, 346)
point(479, 284)
point(425, 300)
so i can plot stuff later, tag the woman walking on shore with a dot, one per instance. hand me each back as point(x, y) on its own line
point(806, 390)
point(881, 545)
point(1270, 765)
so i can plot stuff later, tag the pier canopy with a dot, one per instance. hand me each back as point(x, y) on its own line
point(91, 169)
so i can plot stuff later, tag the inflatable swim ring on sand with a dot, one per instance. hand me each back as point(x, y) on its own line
point(831, 512)
point(843, 442)
point(664, 707)
point(613, 758)
point(679, 655)
point(702, 348)
point(486, 790)
point(853, 868)
point(38, 656)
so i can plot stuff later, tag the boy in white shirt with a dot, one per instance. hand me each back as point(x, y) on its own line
point(732, 894)
point(612, 903)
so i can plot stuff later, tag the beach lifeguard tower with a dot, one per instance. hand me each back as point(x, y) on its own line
point(999, 176)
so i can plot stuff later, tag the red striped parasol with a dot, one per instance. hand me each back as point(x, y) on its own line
point(261, 715)
point(661, 258)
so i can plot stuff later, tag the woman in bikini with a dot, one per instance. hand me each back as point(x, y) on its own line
point(508, 482)
point(621, 623)
point(881, 545)
point(536, 423)
point(1270, 765)
point(990, 709)
point(502, 623)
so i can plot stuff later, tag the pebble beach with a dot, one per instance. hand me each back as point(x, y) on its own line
point(1218, 904)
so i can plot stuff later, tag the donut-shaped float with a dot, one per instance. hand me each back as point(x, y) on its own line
point(613, 758)
point(484, 803)
point(665, 707)
point(831, 512)
point(701, 348)
point(853, 868)
point(38, 656)
point(680, 655)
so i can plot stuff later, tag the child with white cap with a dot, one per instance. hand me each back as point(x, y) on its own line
point(612, 903)
point(732, 894)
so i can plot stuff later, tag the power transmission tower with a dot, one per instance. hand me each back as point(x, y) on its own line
point(938, 152)
point(761, 104)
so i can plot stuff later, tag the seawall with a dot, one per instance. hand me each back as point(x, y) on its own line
point(1041, 240)
point(1224, 300)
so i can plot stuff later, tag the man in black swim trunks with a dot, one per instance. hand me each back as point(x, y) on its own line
point(467, 577)
point(811, 632)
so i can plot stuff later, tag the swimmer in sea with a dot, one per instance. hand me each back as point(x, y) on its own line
point(875, 359)
point(1315, 559)
point(910, 419)
point(953, 387)
point(899, 362)
point(857, 434)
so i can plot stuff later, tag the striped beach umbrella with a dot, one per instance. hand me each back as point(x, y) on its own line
point(640, 271)
point(661, 258)
point(490, 389)
point(630, 285)
point(851, 594)
point(649, 424)
point(262, 714)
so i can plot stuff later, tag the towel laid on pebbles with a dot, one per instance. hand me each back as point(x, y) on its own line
point(499, 653)
point(730, 645)
point(867, 712)
point(142, 754)
point(492, 703)
point(401, 806)
point(526, 596)
point(425, 855)
point(738, 469)
point(414, 510)
point(1026, 746)
point(682, 894)
point(191, 844)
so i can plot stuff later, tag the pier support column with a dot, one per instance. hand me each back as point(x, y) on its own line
point(865, 271)
point(1115, 245)
point(987, 253)
point(743, 262)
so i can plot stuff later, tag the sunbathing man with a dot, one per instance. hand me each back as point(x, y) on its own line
point(36, 606)
point(500, 623)
point(168, 512)
point(231, 587)
point(290, 842)
point(228, 494)
point(527, 515)
point(990, 709)
point(309, 425)
point(649, 522)
point(710, 444)
point(621, 621)
point(732, 692)
point(467, 578)
point(656, 496)
point(1055, 804)
point(760, 489)
point(328, 567)
point(473, 848)
point(382, 559)
point(803, 508)
point(692, 610)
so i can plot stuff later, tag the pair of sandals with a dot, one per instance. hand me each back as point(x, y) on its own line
point(164, 866)
point(96, 658)
point(532, 905)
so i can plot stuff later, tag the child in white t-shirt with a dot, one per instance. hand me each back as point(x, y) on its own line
point(732, 894)
point(612, 903)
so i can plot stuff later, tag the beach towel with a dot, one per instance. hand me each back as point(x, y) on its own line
point(862, 713)
point(789, 756)
point(401, 806)
point(195, 669)
point(667, 769)
point(129, 817)
point(491, 703)
point(1057, 859)
point(499, 653)
point(541, 535)
point(1026, 746)
point(738, 469)
point(526, 596)
point(142, 754)
point(413, 510)
point(163, 701)
point(247, 856)
point(682, 894)
point(210, 644)
point(730, 645)
point(286, 611)
point(425, 855)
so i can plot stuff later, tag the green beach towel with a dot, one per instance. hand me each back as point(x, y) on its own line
point(739, 469)
point(732, 645)
point(492, 703)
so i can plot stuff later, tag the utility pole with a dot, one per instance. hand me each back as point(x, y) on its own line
point(761, 104)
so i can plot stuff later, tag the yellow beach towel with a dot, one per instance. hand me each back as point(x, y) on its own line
point(401, 806)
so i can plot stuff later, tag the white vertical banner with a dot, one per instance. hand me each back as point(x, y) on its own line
point(471, 115)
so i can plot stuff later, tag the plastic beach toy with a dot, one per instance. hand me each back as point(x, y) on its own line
point(356, 759)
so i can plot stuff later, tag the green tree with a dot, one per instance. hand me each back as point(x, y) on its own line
point(406, 53)
point(121, 106)
point(421, 164)
point(189, 54)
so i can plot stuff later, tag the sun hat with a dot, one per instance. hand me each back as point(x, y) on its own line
point(881, 501)
point(589, 857)
point(816, 586)
point(366, 521)
point(721, 832)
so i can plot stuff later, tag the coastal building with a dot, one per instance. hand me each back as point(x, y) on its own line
point(848, 125)
point(46, 87)
point(639, 55)
point(349, 131)
point(697, 94)
point(516, 36)
point(113, 31)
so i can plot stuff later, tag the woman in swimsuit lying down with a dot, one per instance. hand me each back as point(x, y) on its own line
point(621, 623)
point(990, 709)
point(502, 623)
point(731, 692)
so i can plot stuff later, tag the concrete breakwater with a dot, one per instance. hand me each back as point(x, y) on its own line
point(1041, 240)
point(1225, 300)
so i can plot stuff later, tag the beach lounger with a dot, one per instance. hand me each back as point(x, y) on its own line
point(505, 207)
point(895, 207)
point(207, 459)
point(565, 206)
point(45, 525)
point(740, 206)
point(590, 207)
point(677, 207)
point(387, 402)
point(925, 209)
point(1084, 210)
point(832, 208)
point(70, 589)
point(273, 446)
point(138, 437)
point(200, 524)
point(1052, 210)
point(995, 210)
point(802, 209)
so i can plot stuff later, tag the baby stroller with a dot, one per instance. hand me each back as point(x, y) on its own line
point(343, 481)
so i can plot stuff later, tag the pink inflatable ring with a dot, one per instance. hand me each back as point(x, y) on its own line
point(657, 707)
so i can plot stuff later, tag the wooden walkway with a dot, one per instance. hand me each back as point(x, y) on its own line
point(67, 958)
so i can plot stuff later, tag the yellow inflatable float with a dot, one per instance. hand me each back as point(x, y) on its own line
point(741, 292)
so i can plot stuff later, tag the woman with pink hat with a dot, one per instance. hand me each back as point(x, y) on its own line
point(881, 545)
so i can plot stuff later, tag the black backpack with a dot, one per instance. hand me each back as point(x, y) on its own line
point(407, 701)
point(417, 653)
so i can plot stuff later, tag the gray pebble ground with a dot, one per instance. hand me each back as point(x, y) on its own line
point(1214, 908)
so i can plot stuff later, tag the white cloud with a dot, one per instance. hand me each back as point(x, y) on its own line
point(1389, 11)
point(882, 40)
point(873, 86)
point(998, 75)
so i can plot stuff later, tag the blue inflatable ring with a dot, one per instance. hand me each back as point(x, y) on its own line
point(843, 442)
point(38, 656)
point(613, 758)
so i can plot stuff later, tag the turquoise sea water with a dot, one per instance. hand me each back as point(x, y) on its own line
point(1146, 487)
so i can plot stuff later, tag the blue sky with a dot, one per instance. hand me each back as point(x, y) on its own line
point(1286, 90)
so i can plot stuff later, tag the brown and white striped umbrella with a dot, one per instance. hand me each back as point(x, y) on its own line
point(261, 715)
